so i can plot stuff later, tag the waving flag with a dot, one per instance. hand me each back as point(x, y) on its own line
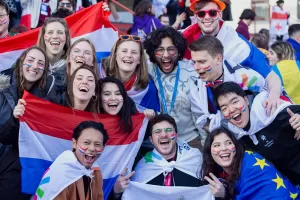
point(137, 191)
point(46, 132)
point(91, 23)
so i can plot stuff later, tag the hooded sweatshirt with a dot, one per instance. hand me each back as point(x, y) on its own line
point(145, 25)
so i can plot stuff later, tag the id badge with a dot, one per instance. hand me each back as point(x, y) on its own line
point(44, 9)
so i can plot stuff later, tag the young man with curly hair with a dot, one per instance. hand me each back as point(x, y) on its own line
point(165, 47)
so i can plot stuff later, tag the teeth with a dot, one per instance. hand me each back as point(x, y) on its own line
point(55, 43)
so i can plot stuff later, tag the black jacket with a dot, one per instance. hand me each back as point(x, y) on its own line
point(278, 145)
point(10, 168)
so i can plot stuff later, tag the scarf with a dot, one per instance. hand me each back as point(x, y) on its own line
point(128, 85)
point(67, 166)
point(258, 117)
point(153, 164)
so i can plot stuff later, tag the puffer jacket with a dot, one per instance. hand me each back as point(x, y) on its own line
point(10, 168)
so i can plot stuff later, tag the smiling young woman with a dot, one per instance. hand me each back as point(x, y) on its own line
point(54, 38)
point(30, 74)
point(82, 52)
point(242, 173)
point(127, 63)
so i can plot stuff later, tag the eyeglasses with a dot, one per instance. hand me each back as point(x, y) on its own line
point(172, 51)
point(161, 130)
point(68, 5)
point(131, 37)
point(203, 13)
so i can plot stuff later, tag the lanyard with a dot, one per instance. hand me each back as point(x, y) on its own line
point(161, 89)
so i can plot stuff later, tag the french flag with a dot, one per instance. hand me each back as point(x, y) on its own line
point(91, 23)
point(46, 132)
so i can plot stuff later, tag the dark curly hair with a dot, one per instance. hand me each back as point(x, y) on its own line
point(153, 41)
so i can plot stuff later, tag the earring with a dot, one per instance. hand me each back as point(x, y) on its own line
point(94, 98)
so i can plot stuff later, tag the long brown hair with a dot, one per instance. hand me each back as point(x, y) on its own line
point(41, 83)
point(210, 166)
point(92, 105)
point(41, 40)
point(111, 68)
point(95, 65)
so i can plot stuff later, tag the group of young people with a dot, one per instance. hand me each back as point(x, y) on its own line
point(225, 120)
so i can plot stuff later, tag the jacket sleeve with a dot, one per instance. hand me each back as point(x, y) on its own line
point(256, 60)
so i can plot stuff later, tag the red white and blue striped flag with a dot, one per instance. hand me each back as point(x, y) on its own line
point(91, 23)
point(46, 132)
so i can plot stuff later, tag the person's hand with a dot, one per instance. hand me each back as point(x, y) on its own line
point(216, 187)
point(295, 123)
point(20, 108)
point(271, 104)
point(122, 181)
point(149, 113)
point(105, 7)
point(180, 18)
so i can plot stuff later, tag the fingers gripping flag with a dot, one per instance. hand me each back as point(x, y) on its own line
point(46, 132)
point(91, 23)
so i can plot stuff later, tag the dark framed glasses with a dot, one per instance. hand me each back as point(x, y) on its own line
point(172, 51)
point(203, 13)
point(131, 37)
point(68, 5)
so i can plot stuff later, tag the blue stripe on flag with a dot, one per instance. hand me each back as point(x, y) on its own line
point(101, 55)
point(32, 173)
point(108, 185)
point(150, 100)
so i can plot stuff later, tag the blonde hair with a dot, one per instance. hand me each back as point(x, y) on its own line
point(111, 68)
point(283, 50)
point(95, 65)
point(41, 40)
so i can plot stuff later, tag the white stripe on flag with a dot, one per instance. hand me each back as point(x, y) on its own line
point(103, 39)
point(9, 58)
point(138, 191)
point(40, 146)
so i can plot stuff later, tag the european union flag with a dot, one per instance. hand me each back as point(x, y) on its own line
point(259, 179)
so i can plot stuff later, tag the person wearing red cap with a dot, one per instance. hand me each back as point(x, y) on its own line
point(236, 48)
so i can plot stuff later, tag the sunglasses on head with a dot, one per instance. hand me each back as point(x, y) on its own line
point(203, 13)
point(131, 37)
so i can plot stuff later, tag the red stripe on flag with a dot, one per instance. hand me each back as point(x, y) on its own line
point(59, 121)
point(85, 21)
point(279, 16)
point(26, 21)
